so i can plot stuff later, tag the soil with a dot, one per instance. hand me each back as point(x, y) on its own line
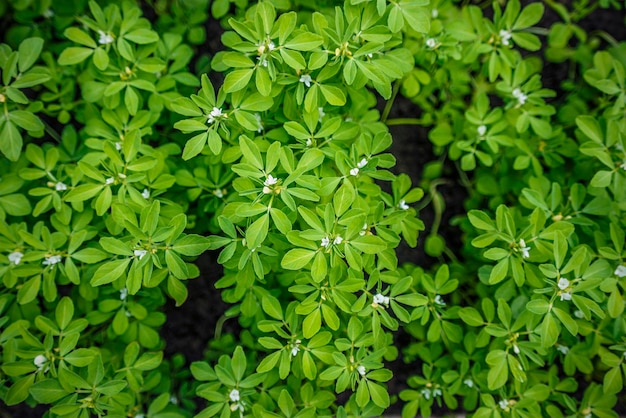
point(191, 326)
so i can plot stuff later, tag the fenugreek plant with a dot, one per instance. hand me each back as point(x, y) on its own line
point(121, 163)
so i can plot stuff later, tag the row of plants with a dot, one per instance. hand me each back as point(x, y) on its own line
point(125, 156)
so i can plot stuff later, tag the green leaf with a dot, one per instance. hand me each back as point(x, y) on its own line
point(304, 42)
point(416, 16)
point(11, 144)
point(110, 271)
point(333, 95)
point(15, 204)
point(83, 192)
point(343, 198)
point(64, 312)
point(48, 391)
point(281, 220)
point(499, 369)
point(297, 258)
point(471, 316)
point(590, 127)
point(80, 37)
point(29, 51)
point(602, 179)
point(369, 244)
point(26, 120)
point(186, 107)
point(271, 306)
point(18, 392)
point(74, 55)
point(312, 323)
point(142, 36)
point(549, 331)
point(257, 232)
point(529, 16)
point(480, 220)
point(237, 80)
point(176, 265)
point(195, 146)
point(191, 245)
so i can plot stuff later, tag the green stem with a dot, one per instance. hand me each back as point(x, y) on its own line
point(606, 36)
point(389, 104)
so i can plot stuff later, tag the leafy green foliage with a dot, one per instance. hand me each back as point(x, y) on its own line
point(121, 165)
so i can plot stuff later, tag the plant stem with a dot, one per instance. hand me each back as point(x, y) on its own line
point(392, 99)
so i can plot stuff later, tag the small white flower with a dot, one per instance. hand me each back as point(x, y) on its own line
point(140, 416)
point(271, 46)
point(41, 362)
point(259, 128)
point(123, 294)
point(218, 193)
point(437, 392)
point(128, 314)
point(515, 348)
point(434, 13)
point(482, 130)
point(519, 95)
point(52, 260)
point(48, 14)
point(60, 186)
point(16, 257)
point(587, 416)
point(505, 37)
point(370, 55)
point(263, 61)
point(563, 348)
point(295, 348)
point(321, 113)
point(145, 194)
point(439, 301)
point(325, 242)
point(469, 383)
point(504, 404)
point(306, 79)
point(270, 180)
point(623, 164)
point(354, 171)
point(402, 205)
point(380, 299)
point(431, 43)
point(363, 231)
point(105, 38)
point(173, 400)
point(425, 393)
point(620, 271)
point(566, 296)
point(579, 314)
point(338, 240)
point(361, 370)
point(309, 142)
point(140, 253)
point(215, 114)
point(524, 249)
point(234, 395)
point(110, 180)
point(362, 163)
point(118, 146)
point(563, 283)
